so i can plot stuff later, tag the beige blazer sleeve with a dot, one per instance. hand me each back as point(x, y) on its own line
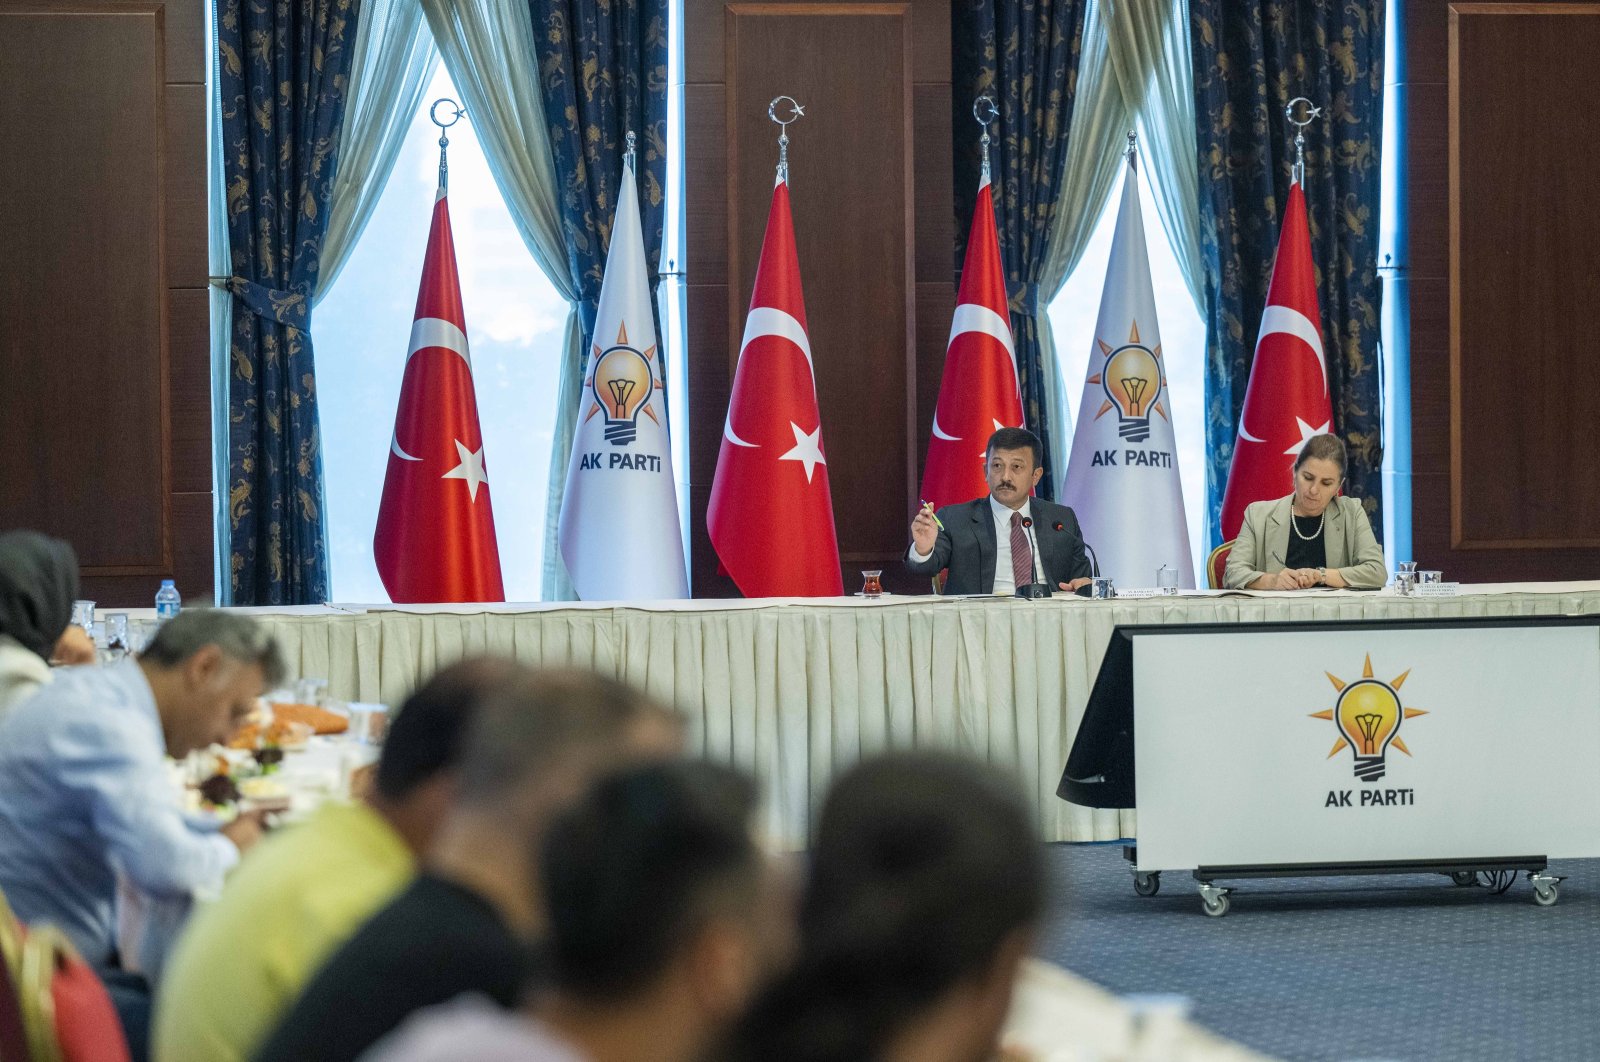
point(1247, 559)
point(1366, 569)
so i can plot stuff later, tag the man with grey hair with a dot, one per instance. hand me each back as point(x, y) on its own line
point(84, 785)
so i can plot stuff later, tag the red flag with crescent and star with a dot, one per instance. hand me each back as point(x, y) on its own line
point(771, 512)
point(978, 394)
point(1287, 400)
point(435, 538)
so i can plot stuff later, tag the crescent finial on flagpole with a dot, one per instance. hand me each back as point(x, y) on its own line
point(444, 139)
point(797, 111)
point(985, 111)
point(1312, 113)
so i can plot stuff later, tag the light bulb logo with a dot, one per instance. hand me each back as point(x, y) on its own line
point(1133, 380)
point(623, 383)
point(1368, 715)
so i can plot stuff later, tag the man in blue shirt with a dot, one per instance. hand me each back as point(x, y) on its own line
point(85, 790)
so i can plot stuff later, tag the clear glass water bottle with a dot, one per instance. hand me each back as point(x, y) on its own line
point(168, 601)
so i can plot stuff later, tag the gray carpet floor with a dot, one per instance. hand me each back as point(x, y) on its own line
point(1338, 969)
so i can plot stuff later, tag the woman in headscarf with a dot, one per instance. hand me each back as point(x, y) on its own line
point(38, 581)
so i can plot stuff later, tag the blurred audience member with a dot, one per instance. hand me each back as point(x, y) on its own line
point(469, 921)
point(664, 917)
point(38, 581)
point(85, 790)
point(925, 884)
point(304, 892)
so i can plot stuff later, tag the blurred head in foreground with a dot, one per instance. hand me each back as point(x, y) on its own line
point(926, 881)
point(533, 748)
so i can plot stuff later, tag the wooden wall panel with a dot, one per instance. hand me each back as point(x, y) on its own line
point(1502, 224)
point(851, 193)
point(103, 317)
point(870, 180)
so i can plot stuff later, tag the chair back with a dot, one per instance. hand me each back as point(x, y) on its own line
point(67, 1014)
point(1217, 563)
point(13, 1034)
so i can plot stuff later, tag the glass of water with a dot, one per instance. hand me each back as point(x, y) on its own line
point(116, 634)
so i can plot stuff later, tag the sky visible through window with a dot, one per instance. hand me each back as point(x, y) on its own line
point(515, 322)
point(1072, 317)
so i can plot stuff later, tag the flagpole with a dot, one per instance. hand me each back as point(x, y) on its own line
point(444, 139)
point(1313, 112)
point(985, 112)
point(783, 136)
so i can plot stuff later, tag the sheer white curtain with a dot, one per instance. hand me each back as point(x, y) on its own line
point(487, 46)
point(1148, 41)
point(393, 64)
point(1100, 122)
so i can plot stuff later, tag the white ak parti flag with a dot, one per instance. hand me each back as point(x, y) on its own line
point(620, 536)
point(1122, 477)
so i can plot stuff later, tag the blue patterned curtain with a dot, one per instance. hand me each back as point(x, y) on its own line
point(603, 71)
point(1024, 53)
point(1251, 57)
point(283, 73)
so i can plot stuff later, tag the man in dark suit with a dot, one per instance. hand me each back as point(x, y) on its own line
point(986, 543)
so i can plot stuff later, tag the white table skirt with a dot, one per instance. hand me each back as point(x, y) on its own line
point(796, 691)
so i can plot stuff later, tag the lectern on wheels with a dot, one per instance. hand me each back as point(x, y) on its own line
point(1464, 747)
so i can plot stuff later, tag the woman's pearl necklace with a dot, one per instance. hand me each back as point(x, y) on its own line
point(1294, 522)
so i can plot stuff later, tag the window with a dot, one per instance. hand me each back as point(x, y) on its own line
point(515, 322)
point(1183, 348)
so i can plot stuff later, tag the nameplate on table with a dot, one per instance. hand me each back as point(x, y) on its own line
point(1142, 591)
point(1436, 590)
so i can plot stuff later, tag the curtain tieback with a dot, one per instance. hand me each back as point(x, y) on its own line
point(289, 308)
point(1024, 300)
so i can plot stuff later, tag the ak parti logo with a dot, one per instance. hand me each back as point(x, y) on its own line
point(1368, 716)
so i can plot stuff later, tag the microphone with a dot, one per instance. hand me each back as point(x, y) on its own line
point(1035, 589)
point(1094, 571)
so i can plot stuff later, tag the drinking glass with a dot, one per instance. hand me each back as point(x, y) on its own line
point(311, 691)
point(116, 633)
point(1102, 588)
point(872, 583)
point(369, 723)
point(1167, 579)
point(140, 631)
point(1430, 577)
point(83, 615)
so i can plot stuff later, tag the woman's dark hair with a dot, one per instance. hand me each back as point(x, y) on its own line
point(922, 866)
point(1323, 448)
point(38, 580)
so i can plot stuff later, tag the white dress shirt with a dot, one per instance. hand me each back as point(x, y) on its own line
point(1003, 581)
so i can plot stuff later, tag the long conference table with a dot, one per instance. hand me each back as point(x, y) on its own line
point(795, 690)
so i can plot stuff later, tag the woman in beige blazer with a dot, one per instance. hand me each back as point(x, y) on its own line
point(1313, 537)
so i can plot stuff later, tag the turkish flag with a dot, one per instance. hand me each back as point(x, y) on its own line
point(771, 513)
point(1287, 400)
point(979, 392)
point(435, 537)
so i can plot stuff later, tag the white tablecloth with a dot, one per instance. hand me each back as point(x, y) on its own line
point(797, 690)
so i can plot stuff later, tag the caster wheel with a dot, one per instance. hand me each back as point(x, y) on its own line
point(1147, 883)
point(1463, 877)
point(1217, 908)
point(1546, 896)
